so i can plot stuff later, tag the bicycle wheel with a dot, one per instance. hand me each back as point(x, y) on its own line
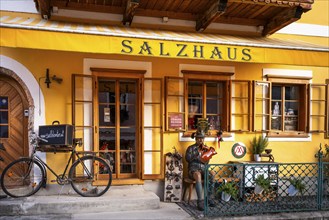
point(22, 177)
point(90, 176)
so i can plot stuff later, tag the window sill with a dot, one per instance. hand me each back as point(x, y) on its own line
point(213, 134)
point(290, 134)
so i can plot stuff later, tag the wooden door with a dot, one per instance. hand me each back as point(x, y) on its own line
point(118, 124)
point(13, 123)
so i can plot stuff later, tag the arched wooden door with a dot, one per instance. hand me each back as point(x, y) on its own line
point(13, 123)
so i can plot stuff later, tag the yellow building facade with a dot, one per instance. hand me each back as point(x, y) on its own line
point(129, 93)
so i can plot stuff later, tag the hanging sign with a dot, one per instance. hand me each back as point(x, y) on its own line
point(176, 121)
point(239, 150)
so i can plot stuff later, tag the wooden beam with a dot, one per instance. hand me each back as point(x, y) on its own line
point(43, 7)
point(282, 19)
point(215, 10)
point(130, 12)
point(306, 4)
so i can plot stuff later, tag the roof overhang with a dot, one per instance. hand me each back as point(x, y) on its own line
point(36, 33)
point(268, 16)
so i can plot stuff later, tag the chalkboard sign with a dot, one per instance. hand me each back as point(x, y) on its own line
point(56, 134)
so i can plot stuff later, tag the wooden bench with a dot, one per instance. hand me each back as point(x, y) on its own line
point(188, 184)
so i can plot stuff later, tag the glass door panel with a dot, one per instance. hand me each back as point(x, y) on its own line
point(117, 116)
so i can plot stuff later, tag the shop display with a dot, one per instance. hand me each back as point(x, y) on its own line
point(173, 177)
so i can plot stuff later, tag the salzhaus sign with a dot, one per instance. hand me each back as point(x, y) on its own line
point(174, 49)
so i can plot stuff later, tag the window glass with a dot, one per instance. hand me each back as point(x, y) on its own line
point(212, 93)
point(291, 92)
point(276, 92)
point(4, 117)
point(3, 103)
point(4, 127)
point(128, 103)
point(3, 131)
point(285, 107)
point(195, 104)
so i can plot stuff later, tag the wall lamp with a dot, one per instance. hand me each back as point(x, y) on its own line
point(53, 78)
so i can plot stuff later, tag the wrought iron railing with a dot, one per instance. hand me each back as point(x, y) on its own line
point(290, 187)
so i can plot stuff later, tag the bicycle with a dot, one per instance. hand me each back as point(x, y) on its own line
point(25, 176)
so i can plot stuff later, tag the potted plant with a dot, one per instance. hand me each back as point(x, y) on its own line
point(296, 185)
point(262, 184)
point(228, 190)
point(258, 145)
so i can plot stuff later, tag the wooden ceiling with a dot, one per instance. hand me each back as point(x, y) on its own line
point(269, 15)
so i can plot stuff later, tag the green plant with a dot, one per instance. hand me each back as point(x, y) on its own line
point(263, 182)
point(258, 145)
point(229, 188)
point(298, 184)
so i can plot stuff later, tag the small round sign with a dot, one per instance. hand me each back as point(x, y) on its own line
point(239, 150)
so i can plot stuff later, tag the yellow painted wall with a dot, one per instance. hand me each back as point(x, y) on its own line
point(318, 15)
point(58, 98)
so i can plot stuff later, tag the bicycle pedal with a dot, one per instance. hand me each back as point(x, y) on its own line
point(53, 181)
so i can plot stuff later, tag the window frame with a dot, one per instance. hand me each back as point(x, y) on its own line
point(226, 125)
point(302, 109)
point(301, 78)
point(225, 111)
point(302, 117)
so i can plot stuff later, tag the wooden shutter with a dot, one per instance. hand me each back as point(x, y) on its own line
point(240, 110)
point(175, 104)
point(261, 108)
point(318, 104)
point(152, 129)
point(83, 110)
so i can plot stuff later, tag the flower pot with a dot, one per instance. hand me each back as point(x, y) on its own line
point(257, 157)
point(258, 189)
point(292, 191)
point(225, 197)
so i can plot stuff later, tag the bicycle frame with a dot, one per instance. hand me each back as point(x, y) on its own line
point(61, 176)
point(25, 176)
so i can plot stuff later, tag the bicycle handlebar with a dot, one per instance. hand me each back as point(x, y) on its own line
point(35, 138)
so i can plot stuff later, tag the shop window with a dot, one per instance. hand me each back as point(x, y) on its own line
point(4, 120)
point(206, 100)
point(225, 103)
point(289, 106)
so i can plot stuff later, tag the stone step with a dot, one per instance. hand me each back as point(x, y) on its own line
point(118, 198)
